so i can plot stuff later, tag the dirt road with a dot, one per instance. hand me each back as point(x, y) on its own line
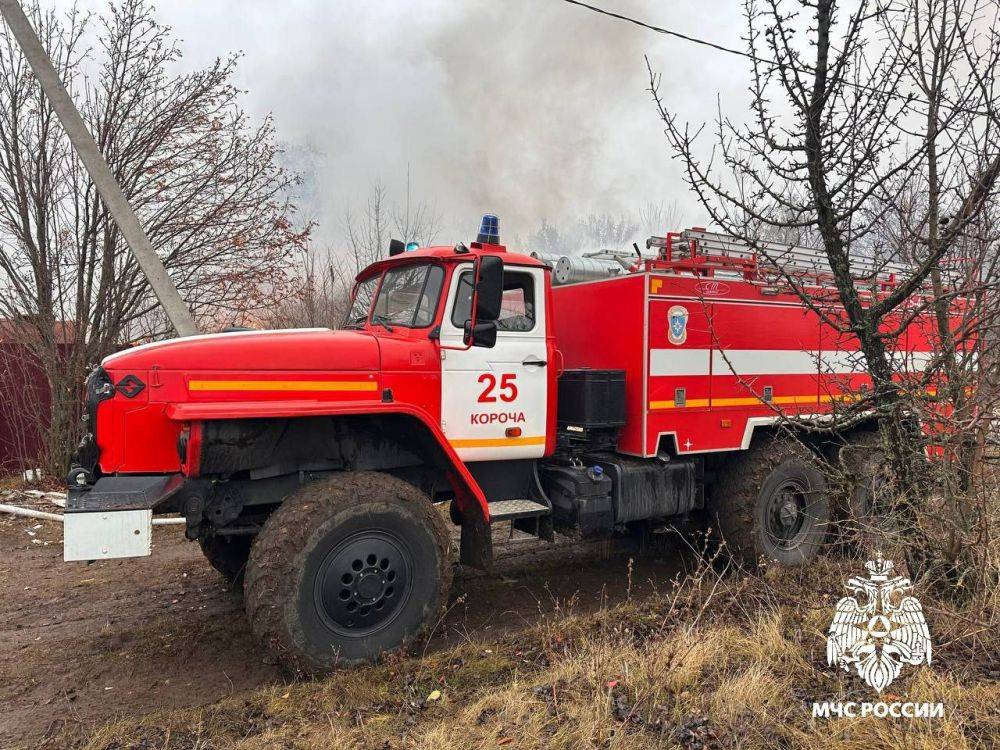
point(81, 644)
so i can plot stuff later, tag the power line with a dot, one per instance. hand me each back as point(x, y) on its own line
point(721, 48)
point(668, 32)
point(740, 53)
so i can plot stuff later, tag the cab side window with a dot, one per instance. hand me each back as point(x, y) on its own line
point(517, 309)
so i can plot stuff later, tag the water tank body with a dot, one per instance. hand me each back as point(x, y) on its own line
point(572, 269)
point(549, 259)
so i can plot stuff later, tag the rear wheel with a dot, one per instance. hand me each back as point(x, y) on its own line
point(869, 522)
point(346, 570)
point(772, 501)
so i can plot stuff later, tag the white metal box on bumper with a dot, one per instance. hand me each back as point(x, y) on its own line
point(107, 534)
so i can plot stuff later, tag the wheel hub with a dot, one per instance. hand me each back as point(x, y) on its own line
point(361, 583)
point(370, 585)
point(788, 513)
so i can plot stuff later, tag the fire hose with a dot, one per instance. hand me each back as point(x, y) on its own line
point(17, 510)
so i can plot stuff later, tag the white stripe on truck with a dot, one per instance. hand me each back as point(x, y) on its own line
point(678, 361)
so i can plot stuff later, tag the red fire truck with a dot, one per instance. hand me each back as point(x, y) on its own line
point(309, 464)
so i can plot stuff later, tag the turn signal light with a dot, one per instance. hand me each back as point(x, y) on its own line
point(513, 432)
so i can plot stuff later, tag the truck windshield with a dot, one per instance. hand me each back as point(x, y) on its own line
point(362, 304)
point(408, 296)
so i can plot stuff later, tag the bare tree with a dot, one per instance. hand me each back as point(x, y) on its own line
point(203, 179)
point(367, 235)
point(322, 292)
point(873, 133)
point(321, 296)
point(605, 231)
point(548, 238)
point(415, 220)
point(656, 219)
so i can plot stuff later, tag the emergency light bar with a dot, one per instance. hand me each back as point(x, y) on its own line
point(489, 230)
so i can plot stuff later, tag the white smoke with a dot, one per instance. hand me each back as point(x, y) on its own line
point(532, 109)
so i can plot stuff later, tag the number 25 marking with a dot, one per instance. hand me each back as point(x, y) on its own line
point(508, 388)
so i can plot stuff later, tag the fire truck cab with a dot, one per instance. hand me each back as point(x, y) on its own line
point(319, 469)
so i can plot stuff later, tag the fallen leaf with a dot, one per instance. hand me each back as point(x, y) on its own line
point(435, 695)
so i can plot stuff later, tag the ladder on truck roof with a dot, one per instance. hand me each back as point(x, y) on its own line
point(707, 253)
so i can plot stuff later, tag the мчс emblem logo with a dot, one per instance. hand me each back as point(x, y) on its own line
point(677, 322)
point(883, 631)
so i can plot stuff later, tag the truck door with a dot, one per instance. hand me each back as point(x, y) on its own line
point(494, 400)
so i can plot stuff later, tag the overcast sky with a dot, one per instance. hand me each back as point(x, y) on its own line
point(533, 109)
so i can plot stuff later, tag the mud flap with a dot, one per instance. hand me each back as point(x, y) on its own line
point(476, 548)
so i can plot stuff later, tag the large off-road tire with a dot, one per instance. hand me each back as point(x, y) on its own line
point(347, 569)
point(771, 501)
point(228, 555)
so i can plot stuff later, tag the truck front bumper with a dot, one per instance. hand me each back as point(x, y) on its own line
point(113, 518)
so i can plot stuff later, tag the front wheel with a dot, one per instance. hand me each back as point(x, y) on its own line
point(346, 570)
point(772, 501)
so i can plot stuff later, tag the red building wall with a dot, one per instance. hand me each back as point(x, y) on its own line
point(24, 408)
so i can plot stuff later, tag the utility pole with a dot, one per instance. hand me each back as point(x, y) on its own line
point(108, 188)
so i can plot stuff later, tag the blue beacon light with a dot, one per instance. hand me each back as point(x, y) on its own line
point(489, 230)
point(411, 246)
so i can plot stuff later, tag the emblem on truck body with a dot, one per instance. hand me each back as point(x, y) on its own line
point(677, 320)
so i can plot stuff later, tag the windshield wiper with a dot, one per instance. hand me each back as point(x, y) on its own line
point(382, 320)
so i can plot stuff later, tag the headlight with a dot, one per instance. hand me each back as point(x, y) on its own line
point(99, 388)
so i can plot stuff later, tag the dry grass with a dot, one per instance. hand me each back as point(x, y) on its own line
point(727, 661)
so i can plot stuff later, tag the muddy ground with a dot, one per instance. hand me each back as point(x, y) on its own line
point(83, 644)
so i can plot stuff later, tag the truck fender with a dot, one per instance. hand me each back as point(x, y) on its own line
point(468, 493)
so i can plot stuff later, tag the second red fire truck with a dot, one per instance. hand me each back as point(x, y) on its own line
point(309, 464)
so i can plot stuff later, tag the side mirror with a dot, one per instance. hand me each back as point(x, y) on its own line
point(487, 295)
point(481, 334)
point(489, 288)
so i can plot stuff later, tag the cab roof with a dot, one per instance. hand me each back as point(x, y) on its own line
point(451, 254)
